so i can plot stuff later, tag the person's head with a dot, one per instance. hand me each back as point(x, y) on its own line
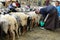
point(37, 11)
point(16, 1)
point(28, 6)
point(57, 3)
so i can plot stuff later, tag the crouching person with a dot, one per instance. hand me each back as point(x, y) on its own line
point(51, 20)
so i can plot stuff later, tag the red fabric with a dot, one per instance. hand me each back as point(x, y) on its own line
point(17, 4)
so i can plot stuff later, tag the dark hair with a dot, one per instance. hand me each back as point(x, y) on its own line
point(58, 2)
point(16, 1)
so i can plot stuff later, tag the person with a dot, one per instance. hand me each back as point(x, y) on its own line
point(18, 4)
point(58, 8)
point(57, 3)
point(52, 20)
point(27, 6)
point(12, 6)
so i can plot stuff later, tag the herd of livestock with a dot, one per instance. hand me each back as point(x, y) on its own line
point(18, 23)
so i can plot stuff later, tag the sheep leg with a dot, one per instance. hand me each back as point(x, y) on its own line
point(17, 33)
point(28, 28)
point(21, 30)
point(16, 29)
point(1, 34)
point(32, 25)
point(12, 33)
point(24, 29)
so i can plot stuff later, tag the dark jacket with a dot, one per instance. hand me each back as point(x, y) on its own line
point(52, 21)
point(46, 10)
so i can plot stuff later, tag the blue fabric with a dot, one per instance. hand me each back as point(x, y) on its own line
point(58, 9)
point(43, 11)
point(46, 10)
point(50, 7)
point(10, 6)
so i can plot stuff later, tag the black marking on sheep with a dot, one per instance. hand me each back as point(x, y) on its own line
point(2, 33)
point(21, 29)
point(29, 19)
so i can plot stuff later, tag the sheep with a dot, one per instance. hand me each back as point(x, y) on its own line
point(18, 21)
point(29, 21)
point(23, 18)
point(13, 26)
point(39, 16)
point(35, 18)
point(29, 18)
point(33, 15)
point(4, 20)
point(4, 25)
point(3, 28)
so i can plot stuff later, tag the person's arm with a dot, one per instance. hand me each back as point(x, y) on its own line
point(46, 18)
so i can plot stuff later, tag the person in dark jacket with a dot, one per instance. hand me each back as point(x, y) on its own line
point(52, 20)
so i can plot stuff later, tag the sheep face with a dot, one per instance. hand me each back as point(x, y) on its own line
point(24, 21)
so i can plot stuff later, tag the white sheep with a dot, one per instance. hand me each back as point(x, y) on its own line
point(23, 18)
point(4, 24)
point(18, 21)
point(29, 21)
point(35, 17)
point(13, 25)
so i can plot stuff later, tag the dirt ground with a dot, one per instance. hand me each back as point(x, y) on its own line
point(38, 34)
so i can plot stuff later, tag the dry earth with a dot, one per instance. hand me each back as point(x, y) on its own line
point(39, 34)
